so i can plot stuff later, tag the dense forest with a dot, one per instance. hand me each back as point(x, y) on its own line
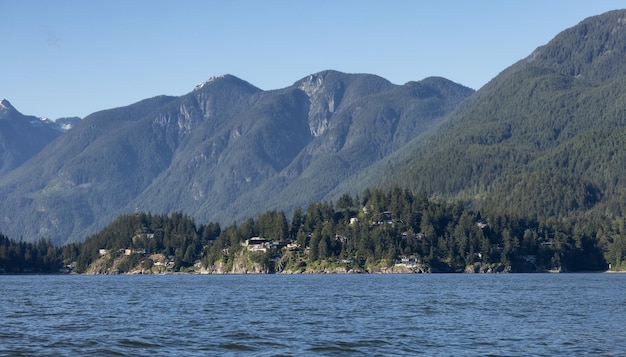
point(378, 229)
point(23, 257)
point(543, 139)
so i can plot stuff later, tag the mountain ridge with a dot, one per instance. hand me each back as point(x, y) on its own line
point(218, 152)
point(541, 139)
point(23, 136)
point(500, 140)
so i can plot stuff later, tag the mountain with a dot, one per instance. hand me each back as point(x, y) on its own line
point(22, 137)
point(66, 123)
point(543, 138)
point(305, 140)
point(219, 153)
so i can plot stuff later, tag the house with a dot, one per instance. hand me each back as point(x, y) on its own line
point(418, 236)
point(407, 261)
point(255, 241)
point(385, 218)
point(278, 245)
point(257, 244)
point(293, 246)
point(103, 252)
point(129, 251)
point(68, 268)
point(257, 248)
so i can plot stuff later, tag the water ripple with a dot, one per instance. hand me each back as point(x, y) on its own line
point(457, 315)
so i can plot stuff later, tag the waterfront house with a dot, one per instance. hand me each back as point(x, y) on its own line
point(257, 244)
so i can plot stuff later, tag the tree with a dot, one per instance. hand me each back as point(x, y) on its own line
point(345, 201)
point(297, 222)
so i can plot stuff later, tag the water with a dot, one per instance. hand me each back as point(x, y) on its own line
point(294, 315)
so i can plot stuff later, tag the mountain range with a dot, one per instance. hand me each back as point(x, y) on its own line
point(544, 139)
point(222, 152)
point(22, 136)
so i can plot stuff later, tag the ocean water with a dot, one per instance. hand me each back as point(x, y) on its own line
point(303, 315)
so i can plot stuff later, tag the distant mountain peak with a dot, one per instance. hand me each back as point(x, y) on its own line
point(210, 80)
point(313, 82)
point(8, 112)
point(6, 106)
point(228, 78)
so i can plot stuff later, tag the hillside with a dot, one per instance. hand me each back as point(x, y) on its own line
point(222, 152)
point(390, 231)
point(541, 141)
point(543, 138)
point(23, 136)
point(364, 127)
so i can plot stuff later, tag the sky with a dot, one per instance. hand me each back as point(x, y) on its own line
point(72, 58)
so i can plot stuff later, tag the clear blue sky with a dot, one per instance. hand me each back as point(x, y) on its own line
point(71, 58)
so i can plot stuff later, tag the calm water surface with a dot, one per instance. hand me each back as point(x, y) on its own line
point(294, 315)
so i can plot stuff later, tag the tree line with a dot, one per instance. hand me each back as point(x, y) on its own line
point(376, 228)
point(28, 257)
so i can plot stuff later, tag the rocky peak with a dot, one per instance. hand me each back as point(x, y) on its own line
point(325, 96)
point(6, 107)
point(311, 84)
point(225, 79)
point(210, 80)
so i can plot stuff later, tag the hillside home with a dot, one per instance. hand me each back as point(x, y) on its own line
point(293, 246)
point(257, 244)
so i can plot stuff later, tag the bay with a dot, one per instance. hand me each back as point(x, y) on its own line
point(289, 315)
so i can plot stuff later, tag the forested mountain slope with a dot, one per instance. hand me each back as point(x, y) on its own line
point(541, 140)
point(544, 138)
point(223, 152)
point(360, 133)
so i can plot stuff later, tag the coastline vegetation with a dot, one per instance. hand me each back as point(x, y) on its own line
point(382, 231)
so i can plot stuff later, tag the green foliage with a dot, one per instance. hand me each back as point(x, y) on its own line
point(449, 236)
point(543, 139)
point(387, 227)
point(27, 257)
point(528, 172)
point(174, 235)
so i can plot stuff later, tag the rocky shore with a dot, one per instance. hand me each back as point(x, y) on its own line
point(243, 264)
